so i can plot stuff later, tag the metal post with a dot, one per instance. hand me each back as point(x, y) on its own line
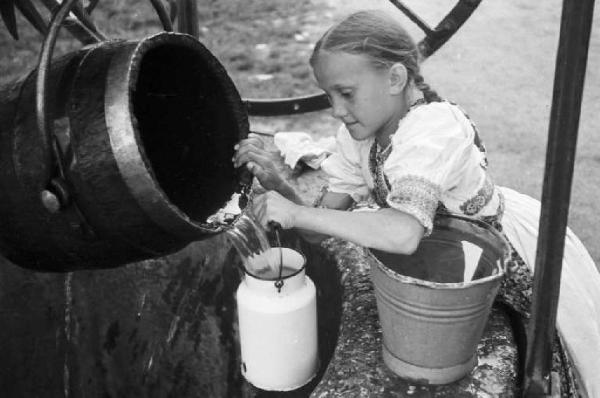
point(187, 17)
point(569, 76)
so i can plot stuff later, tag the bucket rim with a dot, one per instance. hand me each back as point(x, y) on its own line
point(502, 267)
point(126, 142)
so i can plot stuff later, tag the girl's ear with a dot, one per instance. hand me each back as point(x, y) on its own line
point(398, 78)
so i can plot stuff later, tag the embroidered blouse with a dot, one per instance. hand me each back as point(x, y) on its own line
point(435, 162)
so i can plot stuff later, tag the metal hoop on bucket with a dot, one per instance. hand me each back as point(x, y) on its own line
point(56, 195)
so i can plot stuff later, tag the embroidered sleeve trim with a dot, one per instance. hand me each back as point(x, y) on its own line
point(416, 196)
point(480, 200)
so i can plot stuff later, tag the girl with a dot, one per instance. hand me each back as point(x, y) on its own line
point(416, 155)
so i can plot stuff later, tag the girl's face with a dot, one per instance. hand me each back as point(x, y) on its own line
point(364, 98)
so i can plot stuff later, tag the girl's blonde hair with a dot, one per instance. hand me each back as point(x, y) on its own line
point(382, 39)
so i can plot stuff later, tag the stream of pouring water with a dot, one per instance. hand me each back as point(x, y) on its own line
point(248, 237)
point(250, 240)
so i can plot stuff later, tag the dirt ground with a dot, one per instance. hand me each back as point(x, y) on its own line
point(499, 67)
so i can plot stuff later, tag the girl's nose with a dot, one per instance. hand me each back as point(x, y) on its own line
point(338, 111)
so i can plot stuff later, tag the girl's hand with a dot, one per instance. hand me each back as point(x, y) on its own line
point(271, 206)
point(265, 165)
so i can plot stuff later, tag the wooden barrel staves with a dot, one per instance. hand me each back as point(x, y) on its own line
point(146, 129)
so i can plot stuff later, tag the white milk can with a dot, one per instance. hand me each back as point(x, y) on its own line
point(277, 313)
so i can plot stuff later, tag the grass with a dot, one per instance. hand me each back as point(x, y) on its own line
point(499, 67)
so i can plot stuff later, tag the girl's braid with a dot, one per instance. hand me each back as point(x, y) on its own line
point(429, 94)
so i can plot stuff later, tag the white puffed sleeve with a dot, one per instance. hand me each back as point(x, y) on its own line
point(344, 167)
point(429, 151)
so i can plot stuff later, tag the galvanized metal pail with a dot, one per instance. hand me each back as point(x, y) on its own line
point(434, 304)
point(146, 129)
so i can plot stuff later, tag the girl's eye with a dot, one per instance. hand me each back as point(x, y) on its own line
point(346, 94)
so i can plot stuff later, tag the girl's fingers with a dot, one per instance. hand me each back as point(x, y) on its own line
point(248, 147)
point(260, 159)
point(254, 140)
point(252, 159)
point(271, 206)
point(255, 169)
point(243, 153)
point(250, 144)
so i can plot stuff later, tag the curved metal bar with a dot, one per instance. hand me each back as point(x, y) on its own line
point(286, 106)
point(163, 15)
point(433, 40)
point(448, 26)
point(82, 28)
point(7, 11)
point(32, 15)
point(187, 22)
point(81, 32)
point(413, 17)
point(86, 21)
point(51, 151)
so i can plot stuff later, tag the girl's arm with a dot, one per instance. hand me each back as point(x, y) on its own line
point(330, 200)
point(388, 230)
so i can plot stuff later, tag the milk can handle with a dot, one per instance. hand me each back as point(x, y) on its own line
point(277, 228)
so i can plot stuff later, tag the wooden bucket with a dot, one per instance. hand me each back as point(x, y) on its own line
point(147, 130)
